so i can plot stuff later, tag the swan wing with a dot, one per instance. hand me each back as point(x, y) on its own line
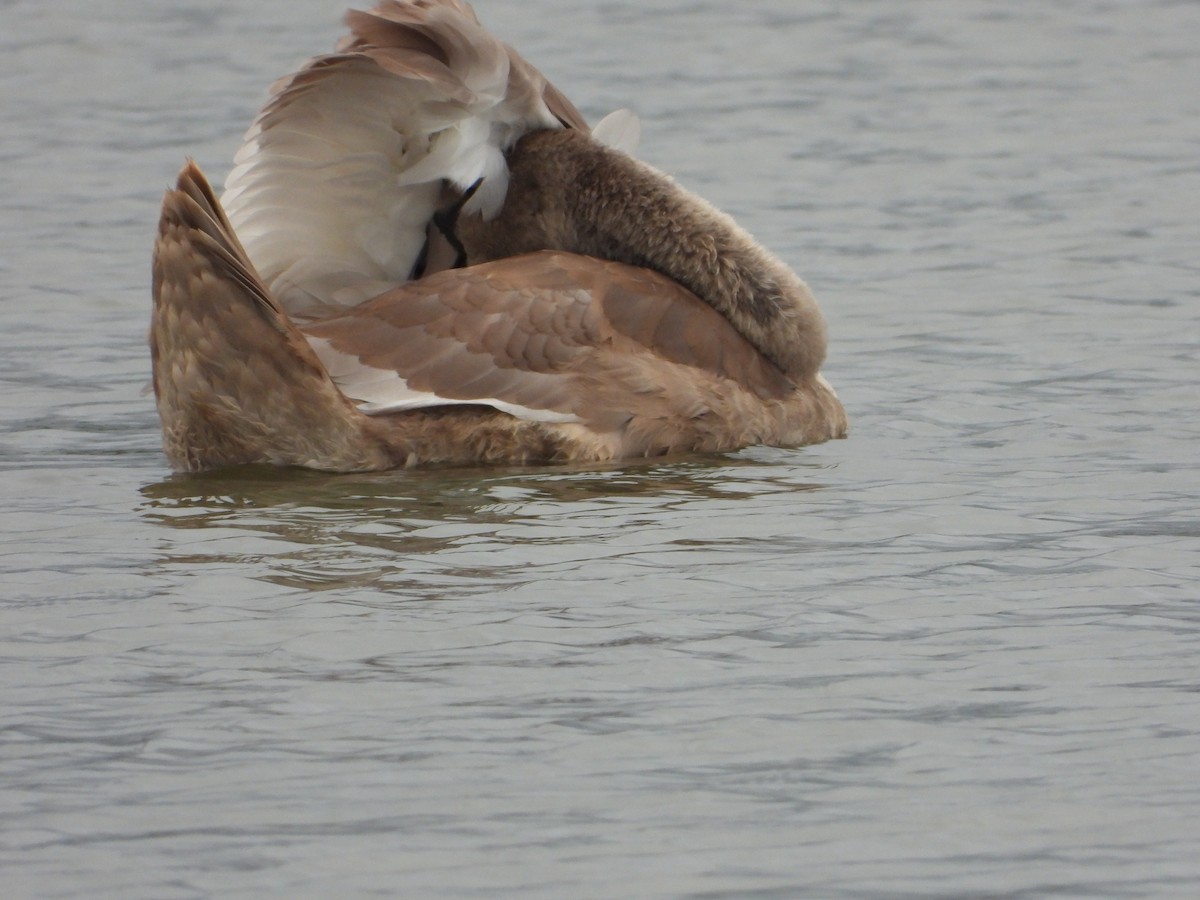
point(340, 174)
point(551, 337)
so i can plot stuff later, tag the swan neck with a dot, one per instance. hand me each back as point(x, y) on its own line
point(568, 192)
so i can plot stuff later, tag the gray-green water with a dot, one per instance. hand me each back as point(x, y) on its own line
point(957, 655)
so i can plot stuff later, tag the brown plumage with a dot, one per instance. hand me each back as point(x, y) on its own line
point(234, 380)
point(603, 311)
point(567, 192)
point(593, 359)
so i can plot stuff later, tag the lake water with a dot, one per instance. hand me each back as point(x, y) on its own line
point(957, 655)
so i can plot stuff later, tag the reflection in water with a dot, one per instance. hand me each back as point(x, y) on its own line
point(383, 530)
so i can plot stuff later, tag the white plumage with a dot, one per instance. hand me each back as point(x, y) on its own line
point(337, 180)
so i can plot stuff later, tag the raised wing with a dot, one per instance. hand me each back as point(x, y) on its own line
point(339, 176)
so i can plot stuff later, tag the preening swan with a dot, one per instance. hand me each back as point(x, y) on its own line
point(428, 258)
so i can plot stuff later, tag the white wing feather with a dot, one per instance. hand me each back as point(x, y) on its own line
point(336, 182)
point(621, 129)
point(379, 391)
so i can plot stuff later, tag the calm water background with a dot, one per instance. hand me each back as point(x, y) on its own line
point(957, 655)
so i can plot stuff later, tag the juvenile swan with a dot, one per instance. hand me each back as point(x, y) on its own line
point(598, 312)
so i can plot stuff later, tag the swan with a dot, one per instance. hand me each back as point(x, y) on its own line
point(424, 256)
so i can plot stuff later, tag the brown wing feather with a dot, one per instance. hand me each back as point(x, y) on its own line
point(676, 325)
point(598, 340)
point(194, 208)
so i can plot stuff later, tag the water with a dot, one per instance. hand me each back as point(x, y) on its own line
point(953, 656)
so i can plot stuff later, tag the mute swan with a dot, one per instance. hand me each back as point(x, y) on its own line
point(588, 308)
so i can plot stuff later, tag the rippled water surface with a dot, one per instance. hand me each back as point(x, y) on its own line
point(955, 655)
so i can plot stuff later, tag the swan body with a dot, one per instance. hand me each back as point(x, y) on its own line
point(588, 308)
